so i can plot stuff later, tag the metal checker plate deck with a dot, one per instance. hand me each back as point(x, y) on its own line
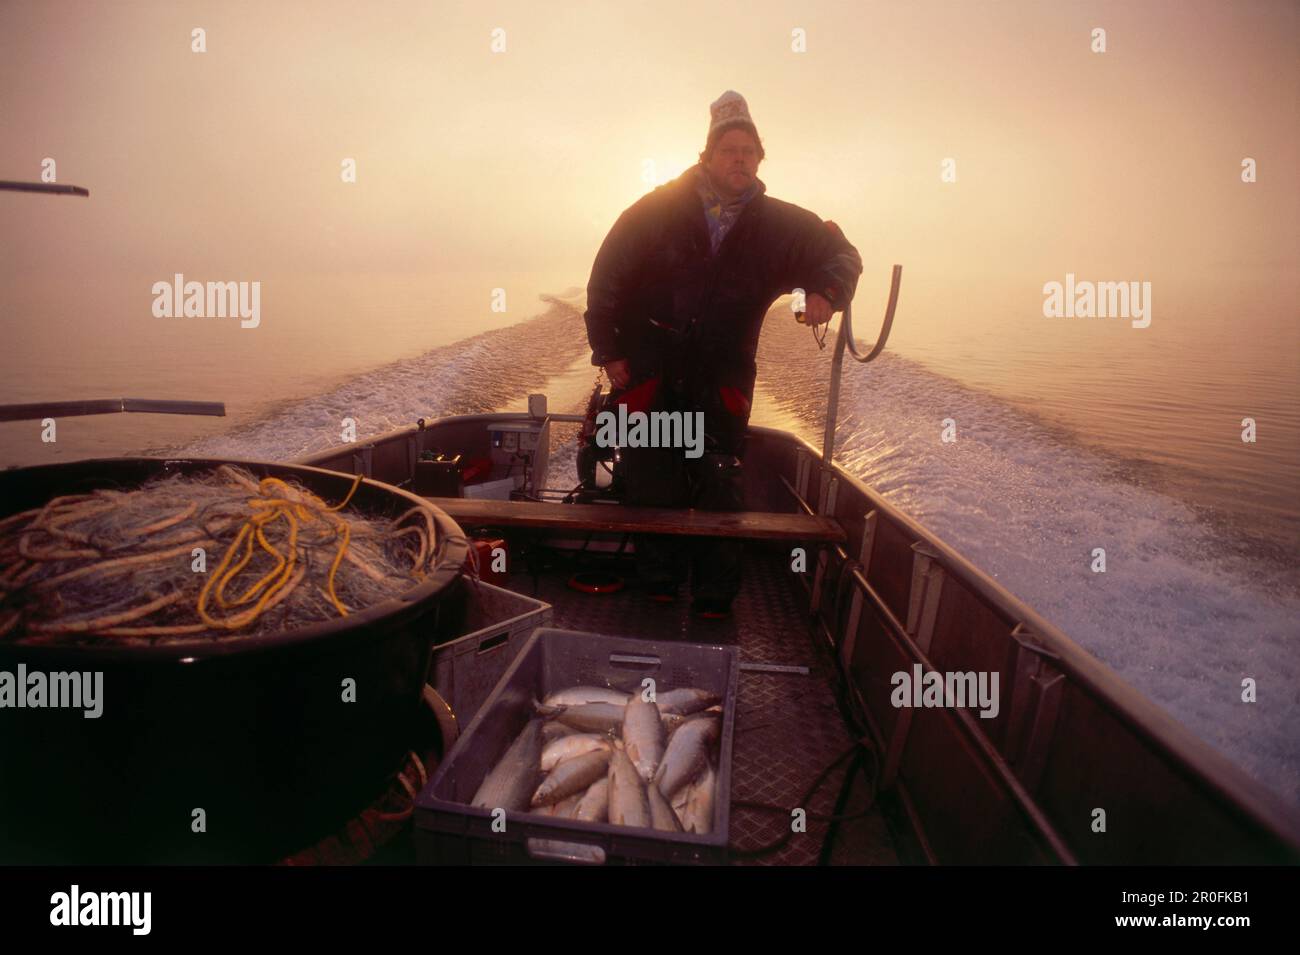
point(788, 726)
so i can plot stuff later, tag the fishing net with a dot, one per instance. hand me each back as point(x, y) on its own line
point(205, 556)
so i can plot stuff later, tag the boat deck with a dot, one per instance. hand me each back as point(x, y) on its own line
point(788, 725)
point(1015, 789)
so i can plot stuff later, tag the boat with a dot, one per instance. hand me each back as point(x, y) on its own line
point(1075, 767)
point(846, 600)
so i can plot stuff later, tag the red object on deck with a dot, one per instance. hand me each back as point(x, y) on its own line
point(475, 469)
point(484, 548)
point(639, 398)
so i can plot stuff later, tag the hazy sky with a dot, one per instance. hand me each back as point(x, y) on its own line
point(226, 164)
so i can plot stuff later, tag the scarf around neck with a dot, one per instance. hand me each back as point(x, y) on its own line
point(720, 212)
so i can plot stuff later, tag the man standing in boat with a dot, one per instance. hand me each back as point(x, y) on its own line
point(676, 300)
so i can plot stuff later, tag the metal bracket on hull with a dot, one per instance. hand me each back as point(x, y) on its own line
point(927, 587)
point(362, 461)
point(1035, 704)
point(897, 743)
point(855, 605)
point(825, 506)
point(823, 558)
point(412, 456)
point(802, 469)
point(922, 611)
point(828, 493)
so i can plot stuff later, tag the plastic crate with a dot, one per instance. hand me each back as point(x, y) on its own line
point(496, 624)
point(450, 831)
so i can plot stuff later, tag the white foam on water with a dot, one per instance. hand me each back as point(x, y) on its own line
point(485, 372)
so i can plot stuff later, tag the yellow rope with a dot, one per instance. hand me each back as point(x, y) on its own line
point(246, 534)
point(266, 579)
point(343, 503)
point(223, 603)
point(266, 510)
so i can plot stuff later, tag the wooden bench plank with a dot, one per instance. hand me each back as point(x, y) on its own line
point(615, 518)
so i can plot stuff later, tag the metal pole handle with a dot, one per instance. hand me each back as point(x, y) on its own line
point(845, 339)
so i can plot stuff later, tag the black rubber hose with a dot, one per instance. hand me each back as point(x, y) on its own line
point(839, 816)
point(780, 842)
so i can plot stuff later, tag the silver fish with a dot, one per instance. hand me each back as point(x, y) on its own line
point(685, 700)
point(592, 717)
point(687, 752)
point(627, 798)
point(671, 721)
point(699, 803)
point(577, 695)
point(514, 777)
point(554, 730)
point(572, 776)
point(565, 808)
point(643, 736)
point(661, 814)
point(567, 747)
point(679, 801)
point(594, 804)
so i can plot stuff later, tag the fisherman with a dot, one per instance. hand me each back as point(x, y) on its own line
point(677, 297)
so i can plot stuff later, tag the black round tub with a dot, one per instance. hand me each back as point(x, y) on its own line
point(241, 750)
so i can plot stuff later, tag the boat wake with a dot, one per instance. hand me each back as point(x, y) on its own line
point(492, 370)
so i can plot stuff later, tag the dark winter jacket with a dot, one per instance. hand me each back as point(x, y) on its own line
point(658, 298)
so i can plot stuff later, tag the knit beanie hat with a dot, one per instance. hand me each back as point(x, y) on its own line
point(729, 111)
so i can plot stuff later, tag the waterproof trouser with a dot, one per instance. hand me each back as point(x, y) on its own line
point(669, 478)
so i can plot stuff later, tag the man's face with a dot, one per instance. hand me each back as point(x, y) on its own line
point(734, 162)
